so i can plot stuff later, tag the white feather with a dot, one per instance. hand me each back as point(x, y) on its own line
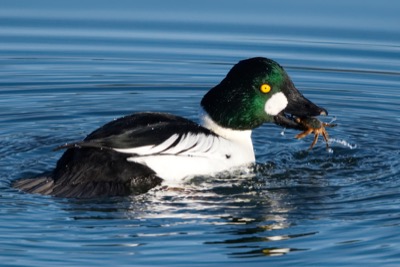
point(196, 154)
point(150, 149)
point(276, 104)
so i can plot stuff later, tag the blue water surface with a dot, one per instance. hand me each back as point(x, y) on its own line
point(68, 67)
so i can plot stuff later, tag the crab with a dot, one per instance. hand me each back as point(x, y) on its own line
point(311, 125)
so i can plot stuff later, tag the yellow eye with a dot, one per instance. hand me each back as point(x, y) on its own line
point(265, 88)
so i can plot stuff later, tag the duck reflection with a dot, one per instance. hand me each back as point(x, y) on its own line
point(253, 212)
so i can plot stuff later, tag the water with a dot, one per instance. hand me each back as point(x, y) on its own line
point(66, 69)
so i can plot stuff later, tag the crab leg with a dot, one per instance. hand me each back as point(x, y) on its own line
point(330, 125)
point(315, 140)
point(326, 137)
point(304, 134)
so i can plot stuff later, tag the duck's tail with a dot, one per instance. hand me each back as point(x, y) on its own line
point(40, 185)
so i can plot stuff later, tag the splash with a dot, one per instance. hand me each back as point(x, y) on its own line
point(343, 143)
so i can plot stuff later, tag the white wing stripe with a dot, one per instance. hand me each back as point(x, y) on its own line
point(137, 150)
point(188, 144)
point(164, 145)
point(150, 149)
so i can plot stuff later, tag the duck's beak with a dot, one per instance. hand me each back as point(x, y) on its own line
point(298, 106)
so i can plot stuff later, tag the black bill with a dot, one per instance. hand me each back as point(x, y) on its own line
point(298, 106)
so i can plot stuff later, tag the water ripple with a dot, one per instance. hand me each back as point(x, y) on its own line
point(64, 71)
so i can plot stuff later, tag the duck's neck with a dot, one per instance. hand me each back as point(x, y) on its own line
point(242, 137)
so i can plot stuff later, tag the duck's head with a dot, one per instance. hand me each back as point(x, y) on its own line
point(255, 91)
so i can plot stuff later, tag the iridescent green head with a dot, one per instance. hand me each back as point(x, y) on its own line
point(255, 91)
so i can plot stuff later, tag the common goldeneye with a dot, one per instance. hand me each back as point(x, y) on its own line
point(135, 153)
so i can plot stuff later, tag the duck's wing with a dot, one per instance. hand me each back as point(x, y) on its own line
point(141, 130)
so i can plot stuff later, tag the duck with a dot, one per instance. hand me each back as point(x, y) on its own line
point(135, 153)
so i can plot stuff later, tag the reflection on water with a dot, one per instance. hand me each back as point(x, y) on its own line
point(64, 71)
point(251, 222)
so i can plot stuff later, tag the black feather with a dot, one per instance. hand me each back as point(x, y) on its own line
point(140, 129)
point(91, 168)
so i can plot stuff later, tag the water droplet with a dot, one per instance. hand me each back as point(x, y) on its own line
point(344, 143)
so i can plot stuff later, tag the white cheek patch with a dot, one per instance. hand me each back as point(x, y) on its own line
point(276, 104)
